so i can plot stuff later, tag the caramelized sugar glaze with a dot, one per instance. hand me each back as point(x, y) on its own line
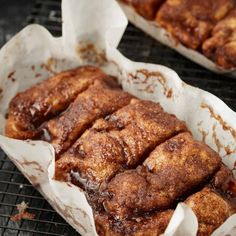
point(135, 161)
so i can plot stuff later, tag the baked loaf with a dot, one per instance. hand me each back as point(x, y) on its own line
point(134, 160)
point(206, 26)
point(191, 21)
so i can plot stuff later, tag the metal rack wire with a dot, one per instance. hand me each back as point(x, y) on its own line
point(136, 45)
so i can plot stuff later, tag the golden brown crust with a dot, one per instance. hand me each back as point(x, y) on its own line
point(152, 225)
point(147, 8)
point(191, 21)
point(117, 142)
point(222, 178)
point(208, 26)
point(173, 169)
point(211, 210)
point(32, 107)
point(221, 47)
point(94, 158)
point(99, 100)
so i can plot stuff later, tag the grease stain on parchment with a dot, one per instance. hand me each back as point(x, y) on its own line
point(216, 139)
point(150, 87)
point(11, 76)
point(68, 213)
point(204, 134)
point(37, 75)
point(217, 117)
point(91, 54)
point(50, 65)
point(1, 93)
point(224, 126)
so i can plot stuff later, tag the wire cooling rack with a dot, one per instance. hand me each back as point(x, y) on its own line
point(136, 45)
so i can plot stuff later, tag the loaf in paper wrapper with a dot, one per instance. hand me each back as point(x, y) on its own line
point(160, 34)
point(34, 54)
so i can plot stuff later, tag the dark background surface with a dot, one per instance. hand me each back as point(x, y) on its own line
point(136, 45)
point(13, 15)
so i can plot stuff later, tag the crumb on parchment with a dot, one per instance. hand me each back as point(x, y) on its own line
point(23, 214)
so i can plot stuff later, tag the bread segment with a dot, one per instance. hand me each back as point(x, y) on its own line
point(173, 169)
point(211, 210)
point(150, 225)
point(30, 108)
point(118, 142)
point(99, 100)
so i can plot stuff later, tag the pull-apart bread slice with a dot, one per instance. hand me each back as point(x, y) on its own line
point(135, 161)
point(211, 210)
point(147, 225)
point(29, 109)
point(99, 100)
point(172, 170)
point(60, 109)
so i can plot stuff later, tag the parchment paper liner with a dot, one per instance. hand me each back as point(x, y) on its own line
point(91, 33)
